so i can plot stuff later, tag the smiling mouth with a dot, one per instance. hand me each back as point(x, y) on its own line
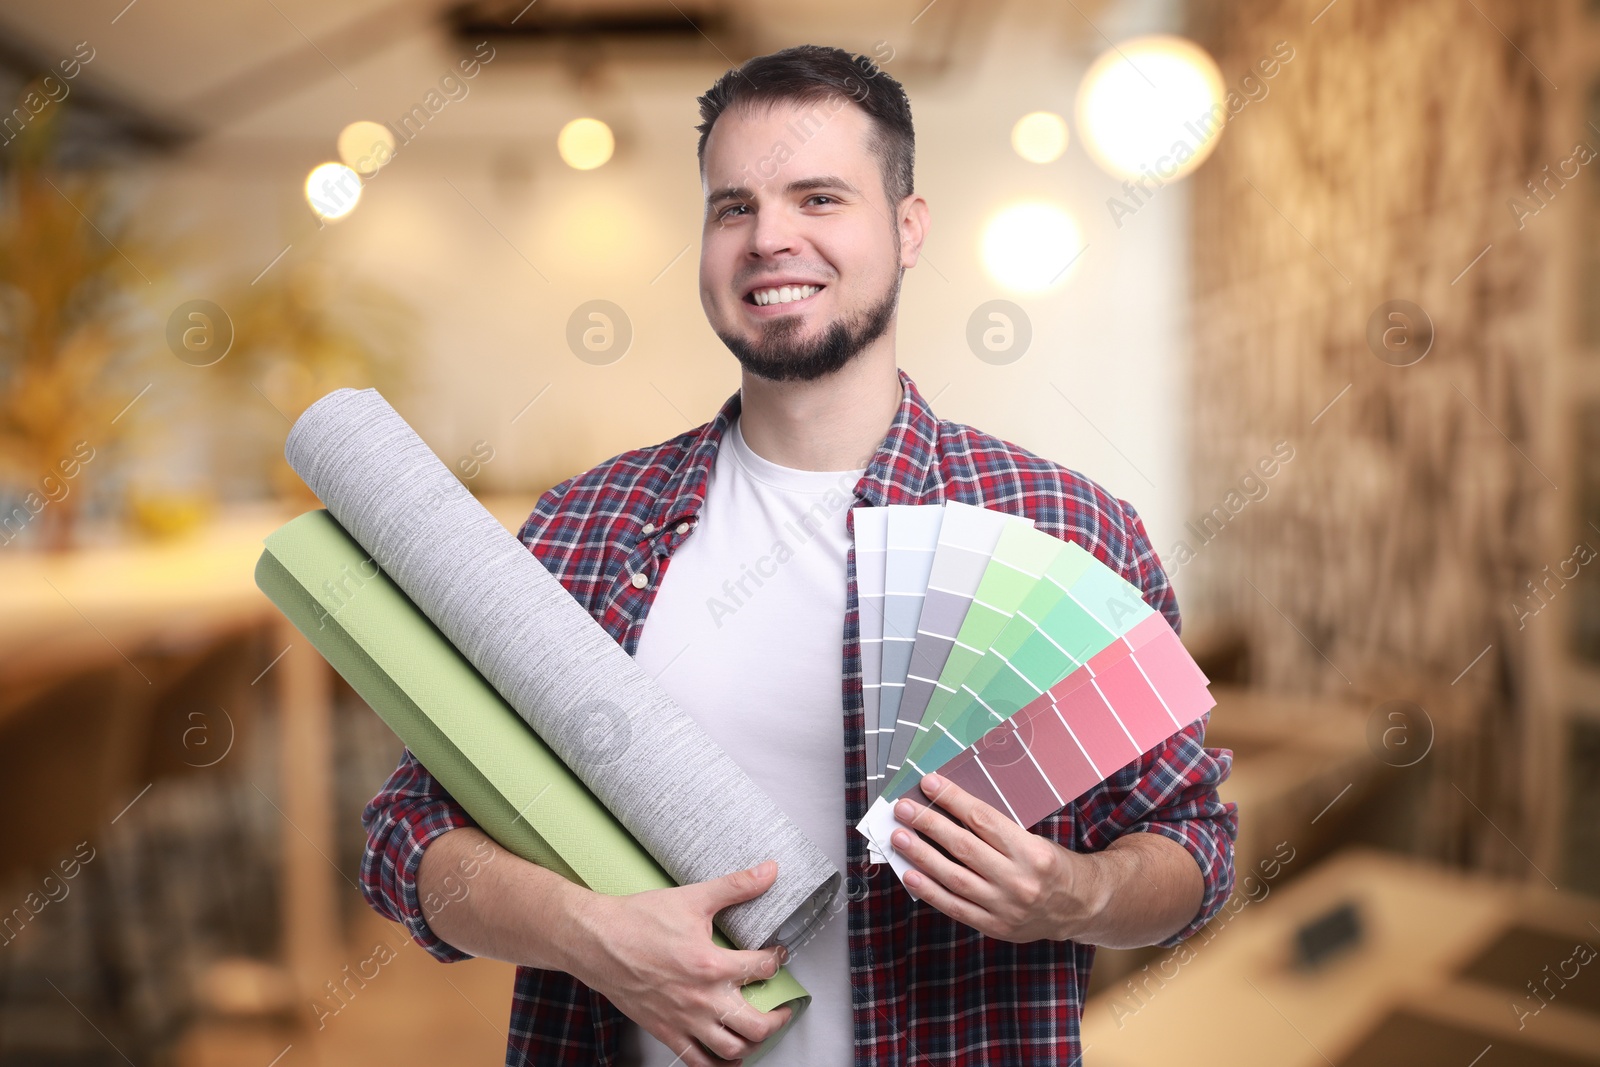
point(778, 296)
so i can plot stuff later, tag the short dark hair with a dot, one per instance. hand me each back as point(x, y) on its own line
point(810, 74)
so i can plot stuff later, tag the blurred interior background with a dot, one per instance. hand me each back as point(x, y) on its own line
point(1315, 285)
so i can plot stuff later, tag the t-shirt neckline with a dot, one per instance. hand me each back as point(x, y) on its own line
point(780, 477)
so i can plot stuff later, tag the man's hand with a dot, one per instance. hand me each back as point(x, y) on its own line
point(649, 953)
point(1015, 885)
point(1008, 883)
point(653, 958)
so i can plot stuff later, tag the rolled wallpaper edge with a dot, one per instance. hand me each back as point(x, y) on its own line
point(686, 801)
point(462, 731)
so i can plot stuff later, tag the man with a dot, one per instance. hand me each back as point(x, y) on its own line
point(811, 221)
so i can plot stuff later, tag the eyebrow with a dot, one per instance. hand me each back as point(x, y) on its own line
point(799, 185)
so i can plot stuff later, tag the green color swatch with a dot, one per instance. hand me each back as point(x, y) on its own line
point(1075, 610)
point(1021, 557)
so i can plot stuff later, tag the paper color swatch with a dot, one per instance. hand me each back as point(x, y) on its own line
point(1058, 673)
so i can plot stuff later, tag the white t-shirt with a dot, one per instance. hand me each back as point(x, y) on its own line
point(746, 633)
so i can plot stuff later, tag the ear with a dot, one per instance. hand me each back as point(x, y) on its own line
point(913, 222)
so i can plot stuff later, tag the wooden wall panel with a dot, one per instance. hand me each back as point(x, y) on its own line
point(1379, 165)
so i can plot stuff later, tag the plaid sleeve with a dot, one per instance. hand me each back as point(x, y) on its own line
point(1144, 570)
point(409, 811)
point(1172, 791)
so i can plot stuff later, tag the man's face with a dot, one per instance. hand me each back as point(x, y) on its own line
point(795, 198)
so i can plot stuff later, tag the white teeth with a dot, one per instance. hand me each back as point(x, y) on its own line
point(783, 294)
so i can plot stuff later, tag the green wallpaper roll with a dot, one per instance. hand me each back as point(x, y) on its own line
point(454, 721)
point(689, 804)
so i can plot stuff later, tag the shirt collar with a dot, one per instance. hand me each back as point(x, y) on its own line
point(898, 473)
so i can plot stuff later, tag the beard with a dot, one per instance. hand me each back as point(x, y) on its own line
point(779, 355)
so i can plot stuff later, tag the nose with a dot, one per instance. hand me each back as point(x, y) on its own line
point(774, 233)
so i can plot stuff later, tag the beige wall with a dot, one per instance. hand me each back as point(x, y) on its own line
point(1109, 336)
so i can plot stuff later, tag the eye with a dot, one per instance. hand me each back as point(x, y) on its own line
point(819, 196)
point(724, 212)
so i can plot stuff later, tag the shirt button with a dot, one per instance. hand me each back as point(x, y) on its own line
point(640, 581)
point(683, 527)
point(649, 528)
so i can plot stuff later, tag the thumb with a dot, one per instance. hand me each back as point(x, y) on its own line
point(739, 886)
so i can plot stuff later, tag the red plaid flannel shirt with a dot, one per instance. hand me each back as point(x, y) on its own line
point(927, 989)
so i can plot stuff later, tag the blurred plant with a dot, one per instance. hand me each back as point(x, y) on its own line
point(67, 321)
point(311, 329)
point(79, 294)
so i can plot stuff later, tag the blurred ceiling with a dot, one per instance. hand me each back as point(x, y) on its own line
point(169, 71)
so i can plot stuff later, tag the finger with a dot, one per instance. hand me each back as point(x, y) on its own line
point(739, 886)
point(723, 1044)
point(755, 1026)
point(741, 1016)
point(692, 1053)
point(754, 965)
point(966, 847)
point(957, 906)
point(997, 829)
point(935, 866)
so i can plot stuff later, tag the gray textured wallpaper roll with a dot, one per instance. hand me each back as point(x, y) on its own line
point(685, 800)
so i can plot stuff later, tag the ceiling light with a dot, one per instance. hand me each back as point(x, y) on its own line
point(1040, 137)
point(585, 144)
point(1029, 246)
point(332, 190)
point(366, 146)
point(1152, 105)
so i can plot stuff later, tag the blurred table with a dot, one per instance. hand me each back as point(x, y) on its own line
point(1295, 759)
point(127, 604)
point(65, 614)
point(62, 612)
point(1443, 958)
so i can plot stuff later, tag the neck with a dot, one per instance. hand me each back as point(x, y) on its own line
point(835, 423)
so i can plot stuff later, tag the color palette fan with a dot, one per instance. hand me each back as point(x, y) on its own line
point(1013, 662)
